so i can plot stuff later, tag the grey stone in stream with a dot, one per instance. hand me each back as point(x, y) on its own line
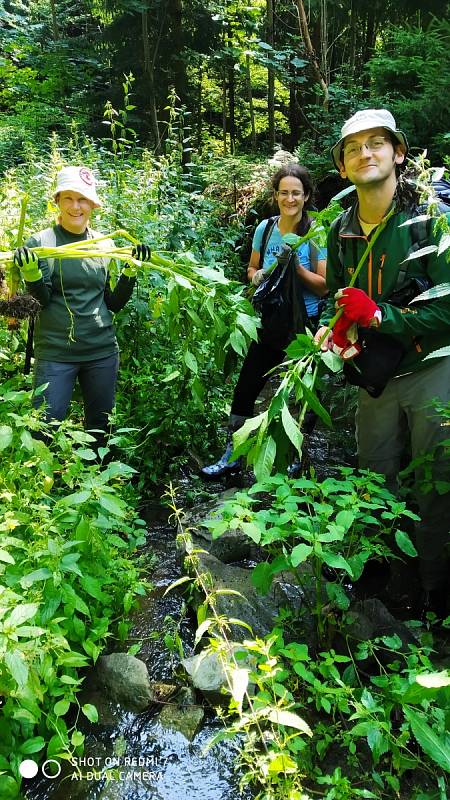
point(126, 680)
point(258, 611)
point(207, 670)
point(232, 545)
point(183, 715)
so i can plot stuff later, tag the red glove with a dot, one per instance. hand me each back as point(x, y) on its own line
point(345, 338)
point(358, 307)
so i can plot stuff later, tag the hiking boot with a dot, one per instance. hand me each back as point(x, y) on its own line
point(224, 466)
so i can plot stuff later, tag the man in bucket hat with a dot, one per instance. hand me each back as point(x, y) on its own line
point(370, 153)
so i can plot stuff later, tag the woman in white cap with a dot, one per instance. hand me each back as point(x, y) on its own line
point(74, 334)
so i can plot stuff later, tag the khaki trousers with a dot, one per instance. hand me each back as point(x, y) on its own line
point(403, 415)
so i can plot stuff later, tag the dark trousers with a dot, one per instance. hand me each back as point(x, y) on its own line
point(261, 358)
point(253, 376)
point(97, 381)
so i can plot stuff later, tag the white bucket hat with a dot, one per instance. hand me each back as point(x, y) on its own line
point(362, 121)
point(77, 179)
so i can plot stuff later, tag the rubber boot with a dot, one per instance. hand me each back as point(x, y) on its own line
point(224, 466)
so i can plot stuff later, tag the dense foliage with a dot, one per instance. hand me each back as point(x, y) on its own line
point(68, 530)
point(249, 75)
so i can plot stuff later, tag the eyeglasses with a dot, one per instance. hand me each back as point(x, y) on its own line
point(373, 144)
point(283, 194)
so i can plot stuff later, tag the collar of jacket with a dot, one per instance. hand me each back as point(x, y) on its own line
point(349, 225)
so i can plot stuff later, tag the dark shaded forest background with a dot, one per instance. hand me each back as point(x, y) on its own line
point(250, 76)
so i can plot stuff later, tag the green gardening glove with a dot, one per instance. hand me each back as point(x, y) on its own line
point(28, 263)
point(141, 252)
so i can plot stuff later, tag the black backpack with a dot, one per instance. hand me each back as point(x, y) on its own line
point(279, 300)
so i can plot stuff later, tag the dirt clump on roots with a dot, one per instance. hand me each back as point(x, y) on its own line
point(21, 306)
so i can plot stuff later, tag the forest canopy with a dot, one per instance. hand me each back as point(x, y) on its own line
point(251, 75)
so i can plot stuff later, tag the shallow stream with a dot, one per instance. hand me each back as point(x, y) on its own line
point(132, 756)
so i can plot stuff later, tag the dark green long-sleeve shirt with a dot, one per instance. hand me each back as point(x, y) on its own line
point(77, 303)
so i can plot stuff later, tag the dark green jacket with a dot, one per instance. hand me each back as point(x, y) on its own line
point(77, 304)
point(421, 328)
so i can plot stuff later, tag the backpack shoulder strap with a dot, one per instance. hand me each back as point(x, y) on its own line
point(48, 239)
point(271, 222)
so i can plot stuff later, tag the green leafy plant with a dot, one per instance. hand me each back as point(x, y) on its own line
point(339, 523)
point(67, 533)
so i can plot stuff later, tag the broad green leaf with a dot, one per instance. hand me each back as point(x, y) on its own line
point(32, 745)
point(282, 763)
point(241, 435)
point(6, 436)
point(238, 342)
point(424, 251)
point(337, 595)
point(300, 553)
point(21, 613)
point(27, 441)
point(440, 290)
point(316, 406)
point(248, 324)
point(171, 377)
point(405, 544)
point(239, 683)
point(61, 707)
point(337, 561)
point(17, 667)
point(113, 504)
point(9, 788)
point(289, 719)
point(293, 431)
point(90, 712)
point(191, 362)
point(434, 680)
point(202, 628)
point(440, 353)
point(296, 651)
point(72, 659)
point(345, 518)
point(264, 461)
point(377, 742)
point(93, 587)
point(332, 360)
point(262, 577)
point(77, 738)
point(182, 281)
point(6, 557)
point(32, 577)
point(74, 499)
point(436, 747)
point(251, 530)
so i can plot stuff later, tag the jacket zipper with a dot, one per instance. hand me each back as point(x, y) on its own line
point(380, 274)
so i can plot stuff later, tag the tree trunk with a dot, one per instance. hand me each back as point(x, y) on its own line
point(224, 113)
point(294, 121)
point(178, 63)
point(199, 111)
point(270, 22)
point(303, 22)
point(232, 108)
point(149, 72)
point(54, 21)
point(250, 100)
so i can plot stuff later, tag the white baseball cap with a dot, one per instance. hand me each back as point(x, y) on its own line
point(77, 179)
point(362, 121)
